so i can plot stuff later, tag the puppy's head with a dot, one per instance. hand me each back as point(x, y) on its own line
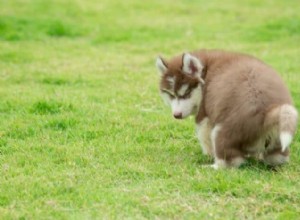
point(181, 84)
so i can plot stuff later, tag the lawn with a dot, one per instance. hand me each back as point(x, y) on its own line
point(84, 133)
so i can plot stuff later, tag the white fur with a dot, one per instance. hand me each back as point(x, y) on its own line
point(160, 66)
point(286, 140)
point(171, 80)
point(176, 106)
point(219, 163)
point(181, 106)
point(183, 89)
point(165, 97)
point(187, 106)
point(203, 134)
point(288, 122)
point(214, 135)
point(288, 110)
point(188, 59)
point(238, 161)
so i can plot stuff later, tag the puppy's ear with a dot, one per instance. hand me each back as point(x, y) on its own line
point(191, 65)
point(161, 65)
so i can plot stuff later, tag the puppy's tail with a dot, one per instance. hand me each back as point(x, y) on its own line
point(285, 117)
point(287, 125)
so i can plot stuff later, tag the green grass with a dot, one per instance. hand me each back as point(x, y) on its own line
point(84, 134)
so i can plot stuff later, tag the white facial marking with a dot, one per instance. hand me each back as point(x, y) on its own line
point(175, 106)
point(188, 106)
point(160, 66)
point(183, 89)
point(171, 80)
point(180, 106)
point(165, 98)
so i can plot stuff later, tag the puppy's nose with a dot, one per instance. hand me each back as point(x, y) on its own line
point(177, 115)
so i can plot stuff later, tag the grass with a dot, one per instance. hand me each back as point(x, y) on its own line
point(84, 134)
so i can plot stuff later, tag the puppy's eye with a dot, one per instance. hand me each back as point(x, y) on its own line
point(169, 93)
point(186, 95)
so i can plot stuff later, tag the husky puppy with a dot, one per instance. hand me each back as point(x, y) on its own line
point(241, 106)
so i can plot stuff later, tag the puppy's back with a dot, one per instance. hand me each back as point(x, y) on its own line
point(240, 91)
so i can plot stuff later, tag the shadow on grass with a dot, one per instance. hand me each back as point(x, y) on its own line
point(251, 164)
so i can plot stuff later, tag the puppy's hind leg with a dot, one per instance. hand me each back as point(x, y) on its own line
point(283, 120)
point(227, 154)
point(275, 156)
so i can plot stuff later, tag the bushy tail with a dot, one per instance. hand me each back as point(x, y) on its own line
point(284, 119)
point(288, 117)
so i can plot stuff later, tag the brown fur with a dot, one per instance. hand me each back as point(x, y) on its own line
point(241, 93)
